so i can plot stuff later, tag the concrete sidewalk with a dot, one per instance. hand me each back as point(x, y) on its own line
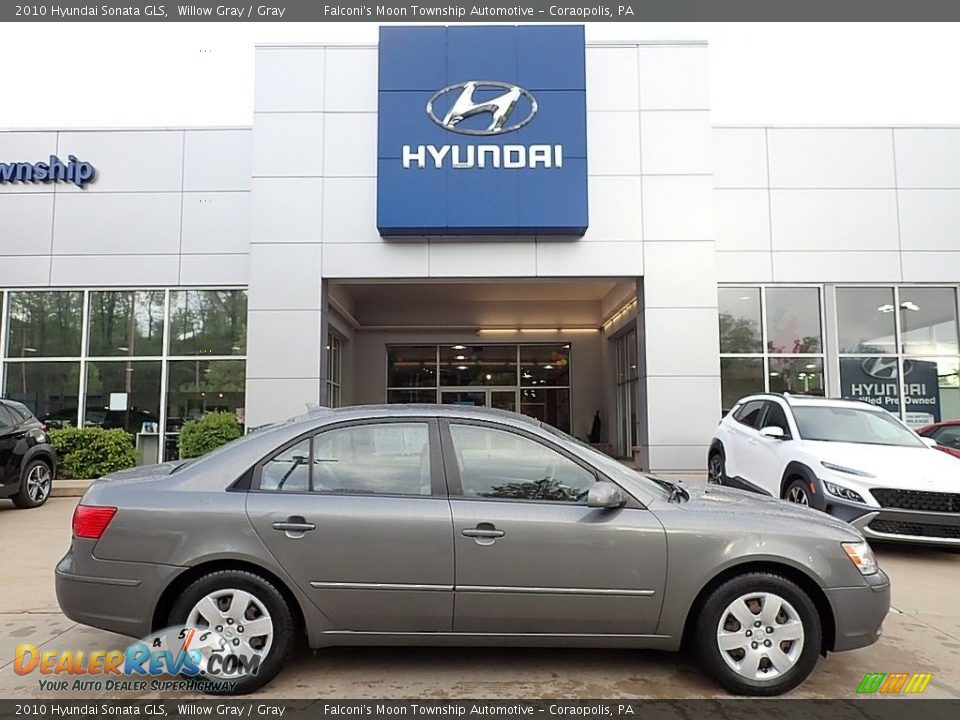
point(922, 635)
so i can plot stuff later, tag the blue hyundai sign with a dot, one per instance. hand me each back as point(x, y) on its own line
point(482, 131)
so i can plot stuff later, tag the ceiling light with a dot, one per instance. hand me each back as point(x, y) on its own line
point(811, 366)
point(459, 347)
point(912, 306)
point(123, 348)
point(461, 367)
point(774, 373)
point(460, 357)
point(886, 308)
point(746, 297)
point(548, 367)
point(489, 377)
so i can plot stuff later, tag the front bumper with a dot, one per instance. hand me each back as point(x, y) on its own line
point(115, 596)
point(859, 612)
point(895, 525)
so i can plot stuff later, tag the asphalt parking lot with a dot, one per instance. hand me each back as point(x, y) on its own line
point(922, 634)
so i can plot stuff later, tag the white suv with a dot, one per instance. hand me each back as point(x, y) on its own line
point(850, 459)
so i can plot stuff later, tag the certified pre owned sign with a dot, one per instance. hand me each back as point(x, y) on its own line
point(73, 171)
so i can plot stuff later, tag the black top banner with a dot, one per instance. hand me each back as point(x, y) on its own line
point(512, 11)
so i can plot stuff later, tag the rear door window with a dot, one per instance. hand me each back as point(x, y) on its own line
point(750, 413)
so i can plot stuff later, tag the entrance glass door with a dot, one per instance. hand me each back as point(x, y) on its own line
point(500, 398)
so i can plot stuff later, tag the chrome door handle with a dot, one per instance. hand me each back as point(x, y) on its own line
point(481, 533)
point(294, 526)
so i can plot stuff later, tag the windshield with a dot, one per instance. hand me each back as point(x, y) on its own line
point(853, 425)
point(612, 466)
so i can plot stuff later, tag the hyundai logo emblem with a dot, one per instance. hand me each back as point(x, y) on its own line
point(884, 368)
point(500, 108)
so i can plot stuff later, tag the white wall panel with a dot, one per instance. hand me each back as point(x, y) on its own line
point(680, 274)
point(928, 157)
point(742, 219)
point(676, 143)
point(26, 224)
point(615, 209)
point(350, 210)
point(375, 260)
point(289, 79)
point(127, 161)
point(930, 219)
point(284, 277)
point(351, 79)
point(740, 158)
point(287, 344)
point(483, 259)
point(214, 269)
point(830, 158)
point(350, 145)
point(744, 267)
point(613, 142)
point(694, 351)
point(673, 77)
point(275, 399)
point(216, 222)
point(26, 270)
point(825, 266)
point(217, 159)
point(670, 405)
point(117, 223)
point(678, 208)
point(288, 145)
point(612, 80)
point(931, 266)
point(121, 270)
point(558, 258)
point(834, 220)
point(286, 210)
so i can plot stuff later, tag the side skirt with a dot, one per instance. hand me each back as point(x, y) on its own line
point(331, 638)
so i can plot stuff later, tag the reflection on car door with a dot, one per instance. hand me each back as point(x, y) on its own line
point(358, 516)
point(531, 557)
point(742, 456)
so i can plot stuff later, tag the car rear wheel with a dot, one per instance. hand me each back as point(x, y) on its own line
point(716, 471)
point(252, 617)
point(36, 483)
point(759, 634)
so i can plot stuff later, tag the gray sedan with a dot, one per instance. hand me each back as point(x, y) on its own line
point(442, 525)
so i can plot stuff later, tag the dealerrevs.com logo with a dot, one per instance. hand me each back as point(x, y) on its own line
point(204, 660)
point(73, 171)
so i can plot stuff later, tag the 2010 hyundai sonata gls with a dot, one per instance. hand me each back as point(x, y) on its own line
point(449, 525)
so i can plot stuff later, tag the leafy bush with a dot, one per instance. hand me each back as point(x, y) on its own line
point(211, 431)
point(89, 453)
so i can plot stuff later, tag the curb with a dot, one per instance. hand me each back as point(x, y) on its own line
point(70, 488)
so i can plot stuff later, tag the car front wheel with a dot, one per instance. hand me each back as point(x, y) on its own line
point(251, 616)
point(798, 493)
point(715, 469)
point(759, 634)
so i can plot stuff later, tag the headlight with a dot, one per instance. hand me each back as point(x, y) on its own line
point(862, 556)
point(848, 471)
point(841, 492)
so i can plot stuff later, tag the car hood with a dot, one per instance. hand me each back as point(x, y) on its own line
point(920, 468)
point(767, 511)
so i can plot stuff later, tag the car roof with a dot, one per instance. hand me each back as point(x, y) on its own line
point(18, 406)
point(812, 400)
point(418, 410)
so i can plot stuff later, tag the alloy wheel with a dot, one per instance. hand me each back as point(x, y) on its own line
point(239, 617)
point(760, 636)
point(715, 470)
point(798, 494)
point(38, 483)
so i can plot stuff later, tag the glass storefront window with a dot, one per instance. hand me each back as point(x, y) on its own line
point(549, 405)
point(44, 324)
point(123, 394)
point(334, 369)
point(49, 389)
point(872, 379)
point(478, 365)
point(126, 323)
point(931, 389)
point(797, 376)
point(547, 364)
point(793, 320)
point(928, 321)
point(866, 320)
point(208, 322)
point(412, 396)
point(739, 376)
point(196, 387)
point(740, 320)
point(411, 366)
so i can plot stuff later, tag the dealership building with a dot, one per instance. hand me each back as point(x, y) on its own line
point(500, 216)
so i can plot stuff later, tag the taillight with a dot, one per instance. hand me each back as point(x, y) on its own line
point(90, 521)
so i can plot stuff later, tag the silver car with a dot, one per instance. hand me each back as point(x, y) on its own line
point(444, 525)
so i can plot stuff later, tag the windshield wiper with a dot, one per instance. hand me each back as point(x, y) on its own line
point(677, 493)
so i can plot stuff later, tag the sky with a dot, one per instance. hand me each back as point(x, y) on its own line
point(74, 75)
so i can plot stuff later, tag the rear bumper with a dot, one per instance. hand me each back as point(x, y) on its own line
point(859, 612)
point(115, 596)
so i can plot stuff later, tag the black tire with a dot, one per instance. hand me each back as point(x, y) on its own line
point(284, 625)
point(714, 610)
point(716, 468)
point(26, 497)
point(798, 492)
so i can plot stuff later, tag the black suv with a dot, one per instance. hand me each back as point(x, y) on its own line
point(28, 461)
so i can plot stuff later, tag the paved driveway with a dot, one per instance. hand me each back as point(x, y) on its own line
point(922, 635)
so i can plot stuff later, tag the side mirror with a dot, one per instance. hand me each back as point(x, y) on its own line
point(605, 494)
point(929, 441)
point(771, 431)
